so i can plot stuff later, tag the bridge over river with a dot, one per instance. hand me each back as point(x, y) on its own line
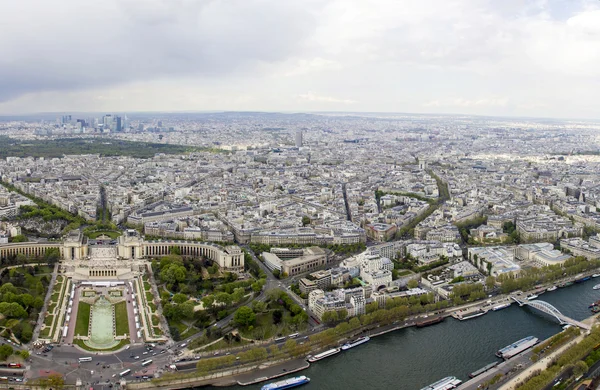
point(547, 308)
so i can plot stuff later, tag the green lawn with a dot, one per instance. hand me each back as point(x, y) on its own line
point(223, 345)
point(146, 286)
point(88, 348)
point(181, 327)
point(48, 320)
point(54, 297)
point(149, 296)
point(122, 322)
point(157, 331)
point(109, 233)
point(83, 319)
point(57, 287)
point(155, 320)
point(51, 307)
point(190, 332)
point(45, 333)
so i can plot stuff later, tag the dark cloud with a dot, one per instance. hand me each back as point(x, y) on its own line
point(74, 44)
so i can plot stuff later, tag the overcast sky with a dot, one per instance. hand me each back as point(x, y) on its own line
point(488, 57)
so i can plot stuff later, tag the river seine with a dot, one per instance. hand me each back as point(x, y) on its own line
point(412, 358)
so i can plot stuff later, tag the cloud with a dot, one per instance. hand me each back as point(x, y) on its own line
point(536, 58)
point(73, 44)
point(311, 97)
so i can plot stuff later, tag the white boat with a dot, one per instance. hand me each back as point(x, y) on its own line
point(357, 342)
point(531, 297)
point(517, 347)
point(552, 288)
point(502, 306)
point(475, 314)
point(595, 275)
point(449, 382)
point(323, 355)
point(596, 287)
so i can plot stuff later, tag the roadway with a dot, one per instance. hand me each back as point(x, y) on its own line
point(103, 370)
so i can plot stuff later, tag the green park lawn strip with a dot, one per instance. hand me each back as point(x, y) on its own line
point(48, 321)
point(157, 331)
point(45, 333)
point(190, 332)
point(147, 286)
point(122, 323)
point(112, 234)
point(83, 319)
point(81, 344)
point(181, 327)
point(155, 320)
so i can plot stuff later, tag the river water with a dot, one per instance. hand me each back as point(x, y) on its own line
point(412, 358)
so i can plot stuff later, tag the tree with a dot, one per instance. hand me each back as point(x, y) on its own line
point(180, 298)
point(208, 301)
point(19, 238)
point(330, 317)
point(580, 368)
point(5, 351)
point(173, 273)
point(371, 307)
point(259, 306)
point(24, 354)
point(305, 220)
point(277, 316)
point(276, 273)
point(490, 282)
point(413, 283)
point(244, 316)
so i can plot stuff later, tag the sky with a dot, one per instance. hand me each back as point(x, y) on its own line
point(538, 58)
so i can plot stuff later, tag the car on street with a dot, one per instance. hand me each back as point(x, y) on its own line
point(136, 357)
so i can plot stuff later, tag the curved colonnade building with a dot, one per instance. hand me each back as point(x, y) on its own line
point(114, 258)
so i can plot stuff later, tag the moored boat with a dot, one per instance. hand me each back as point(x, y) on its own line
point(517, 347)
point(429, 321)
point(286, 383)
point(596, 287)
point(531, 297)
point(502, 306)
point(355, 343)
point(483, 369)
point(449, 382)
point(323, 355)
point(595, 275)
point(469, 316)
point(552, 288)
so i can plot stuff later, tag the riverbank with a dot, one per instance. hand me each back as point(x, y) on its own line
point(522, 363)
point(507, 331)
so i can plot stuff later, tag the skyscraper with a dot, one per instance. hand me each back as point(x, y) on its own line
point(298, 138)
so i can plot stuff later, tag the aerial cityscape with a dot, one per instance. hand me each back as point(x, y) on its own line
point(321, 194)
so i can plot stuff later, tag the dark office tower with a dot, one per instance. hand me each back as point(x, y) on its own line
point(118, 126)
point(159, 124)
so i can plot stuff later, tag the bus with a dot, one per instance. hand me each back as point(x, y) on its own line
point(280, 339)
point(147, 362)
point(85, 359)
point(293, 335)
point(125, 372)
point(14, 365)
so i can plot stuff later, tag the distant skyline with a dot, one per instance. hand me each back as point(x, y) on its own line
point(535, 58)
